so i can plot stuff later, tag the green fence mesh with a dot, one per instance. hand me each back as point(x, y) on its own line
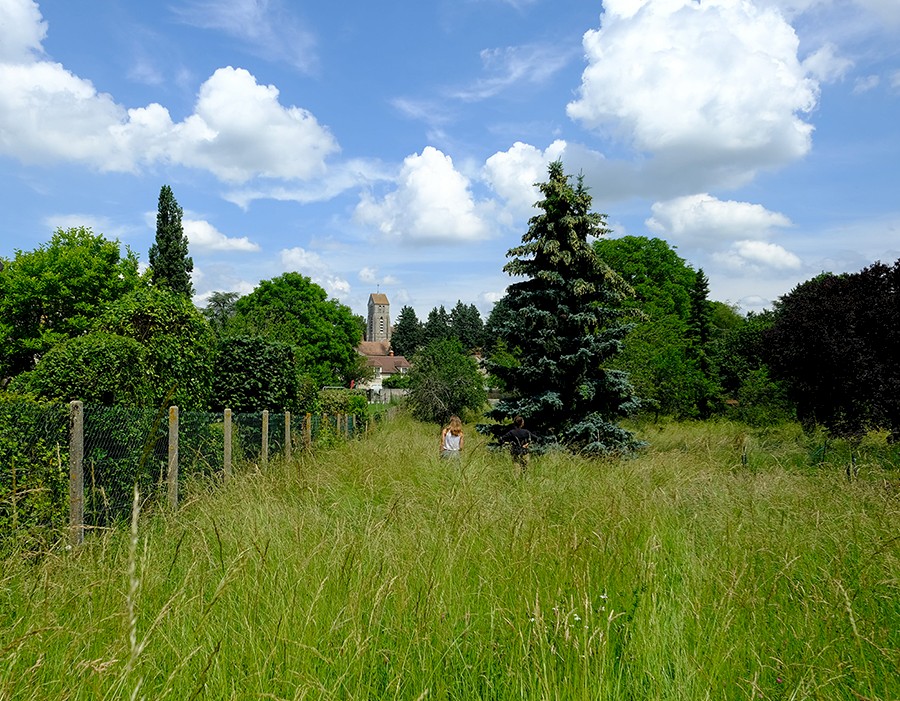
point(126, 446)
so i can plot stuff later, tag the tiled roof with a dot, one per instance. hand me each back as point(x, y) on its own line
point(371, 348)
point(378, 298)
point(389, 364)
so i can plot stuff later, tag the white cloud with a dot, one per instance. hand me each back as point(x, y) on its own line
point(22, 29)
point(337, 179)
point(238, 131)
point(370, 277)
point(203, 235)
point(312, 265)
point(757, 255)
point(431, 204)
point(267, 28)
point(698, 83)
point(705, 220)
point(512, 174)
point(512, 65)
point(865, 84)
point(825, 65)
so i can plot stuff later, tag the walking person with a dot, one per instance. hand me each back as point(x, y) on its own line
point(519, 439)
point(452, 439)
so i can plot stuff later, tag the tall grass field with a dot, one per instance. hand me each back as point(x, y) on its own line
point(720, 563)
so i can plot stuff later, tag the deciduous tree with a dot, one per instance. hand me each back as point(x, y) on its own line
point(444, 380)
point(56, 291)
point(294, 310)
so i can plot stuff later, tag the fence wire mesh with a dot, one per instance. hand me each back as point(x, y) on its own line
point(124, 446)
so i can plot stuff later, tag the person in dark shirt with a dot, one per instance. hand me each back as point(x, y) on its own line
point(519, 439)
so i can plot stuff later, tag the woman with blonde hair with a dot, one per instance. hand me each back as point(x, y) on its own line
point(452, 439)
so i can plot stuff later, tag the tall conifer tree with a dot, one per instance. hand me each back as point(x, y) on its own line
point(169, 261)
point(564, 322)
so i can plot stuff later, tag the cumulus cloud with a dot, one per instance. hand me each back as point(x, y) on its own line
point(705, 220)
point(312, 265)
point(757, 255)
point(23, 30)
point(432, 203)
point(238, 131)
point(512, 174)
point(203, 235)
point(698, 83)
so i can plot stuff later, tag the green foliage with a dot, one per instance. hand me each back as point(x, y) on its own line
point(467, 326)
point(835, 343)
point(219, 310)
point(658, 354)
point(98, 368)
point(170, 265)
point(407, 334)
point(343, 401)
point(564, 325)
point(177, 340)
point(437, 326)
point(34, 471)
point(251, 373)
point(444, 380)
point(396, 381)
point(324, 333)
point(56, 291)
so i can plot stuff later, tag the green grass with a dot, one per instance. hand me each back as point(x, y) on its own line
point(376, 571)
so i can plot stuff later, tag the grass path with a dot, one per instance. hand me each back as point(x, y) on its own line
point(377, 571)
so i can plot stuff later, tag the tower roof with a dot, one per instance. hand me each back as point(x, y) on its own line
point(378, 298)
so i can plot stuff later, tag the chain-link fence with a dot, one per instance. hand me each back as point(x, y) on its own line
point(72, 468)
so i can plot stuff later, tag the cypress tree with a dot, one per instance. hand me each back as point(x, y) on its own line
point(170, 264)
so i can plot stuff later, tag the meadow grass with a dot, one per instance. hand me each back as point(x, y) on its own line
point(720, 563)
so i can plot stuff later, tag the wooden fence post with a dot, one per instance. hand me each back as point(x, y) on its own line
point(226, 448)
point(264, 454)
point(173, 457)
point(287, 435)
point(76, 473)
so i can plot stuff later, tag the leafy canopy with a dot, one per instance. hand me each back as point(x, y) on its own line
point(56, 291)
point(294, 310)
point(444, 380)
point(177, 339)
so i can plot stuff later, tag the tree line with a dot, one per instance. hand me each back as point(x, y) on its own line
point(590, 330)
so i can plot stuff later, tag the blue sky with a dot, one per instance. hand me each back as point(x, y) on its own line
point(394, 146)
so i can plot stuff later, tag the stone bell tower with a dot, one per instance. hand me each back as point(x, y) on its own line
point(378, 327)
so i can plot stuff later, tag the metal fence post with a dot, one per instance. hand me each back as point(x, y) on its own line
point(173, 457)
point(264, 455)
point(76, 473)
point(226, 448)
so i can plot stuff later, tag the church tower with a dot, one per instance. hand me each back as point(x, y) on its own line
point(378, 327)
